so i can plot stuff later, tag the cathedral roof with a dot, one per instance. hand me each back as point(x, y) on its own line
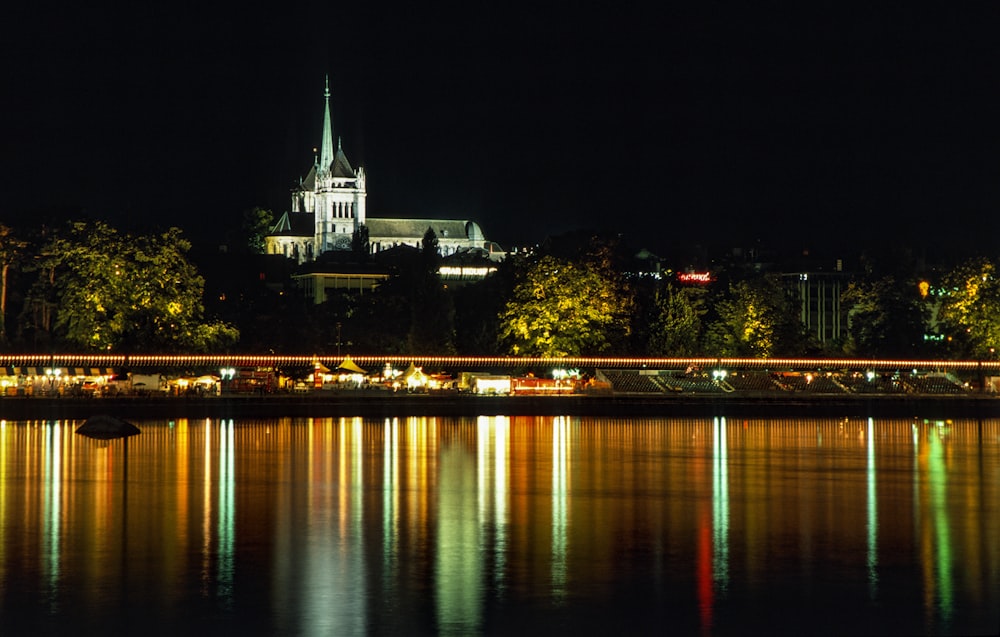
point(309, 183)
point(295, 224)
point(385, 228)
point(340, 166)
point(329, 163)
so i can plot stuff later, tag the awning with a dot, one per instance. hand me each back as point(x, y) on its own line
point(416, 373)
point(350, 366)
point(61, 371)
point(40, 371)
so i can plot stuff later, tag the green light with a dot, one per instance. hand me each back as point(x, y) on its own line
point(937, 474)
point(559, 509)
point(720, 506)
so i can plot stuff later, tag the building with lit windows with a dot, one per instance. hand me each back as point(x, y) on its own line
point(820, 309)
point(328, 207)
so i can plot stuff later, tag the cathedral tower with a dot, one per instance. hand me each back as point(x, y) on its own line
point(332, 191)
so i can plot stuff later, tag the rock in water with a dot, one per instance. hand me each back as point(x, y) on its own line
point(106, 427)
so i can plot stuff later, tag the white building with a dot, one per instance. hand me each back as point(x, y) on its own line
point(328, 207)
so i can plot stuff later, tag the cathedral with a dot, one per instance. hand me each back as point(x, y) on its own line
point(328, 207)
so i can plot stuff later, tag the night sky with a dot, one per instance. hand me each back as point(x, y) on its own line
point(793, 128)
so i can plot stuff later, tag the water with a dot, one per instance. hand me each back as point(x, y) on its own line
point(533, 525)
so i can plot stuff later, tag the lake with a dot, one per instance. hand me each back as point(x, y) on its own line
point(502, 525)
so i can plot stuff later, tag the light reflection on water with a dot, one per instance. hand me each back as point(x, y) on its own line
point(499, 525)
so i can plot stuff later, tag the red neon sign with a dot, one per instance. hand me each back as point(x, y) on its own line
point(694, 277)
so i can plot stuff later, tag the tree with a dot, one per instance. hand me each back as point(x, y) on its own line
point(884, 317)
point(430, 252)
point(382, 320)
point(970, 307)
point(127, 293)
point(257, 224)
point(755, 319)
point(360, 244)
point(432, 319)
point(11, 251)
point(563, 308)
point(676, 328)
point(477, 310)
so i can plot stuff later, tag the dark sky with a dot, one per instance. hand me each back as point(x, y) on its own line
point(789, 127)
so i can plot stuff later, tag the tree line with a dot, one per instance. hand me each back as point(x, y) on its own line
point(86, 286)
point(89, 287)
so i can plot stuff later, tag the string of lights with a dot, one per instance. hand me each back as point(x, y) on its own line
point(507, 362)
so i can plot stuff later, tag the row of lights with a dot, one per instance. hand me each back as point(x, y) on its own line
point(760, 363)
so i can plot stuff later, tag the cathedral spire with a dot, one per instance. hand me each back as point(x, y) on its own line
point(326, 148)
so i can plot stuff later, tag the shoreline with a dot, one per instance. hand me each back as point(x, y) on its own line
point(366, 405)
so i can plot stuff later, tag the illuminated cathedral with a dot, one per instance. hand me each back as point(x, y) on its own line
point(328, 208)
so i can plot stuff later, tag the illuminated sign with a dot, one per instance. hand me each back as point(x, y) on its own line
point(465, 271)
point(694, 277)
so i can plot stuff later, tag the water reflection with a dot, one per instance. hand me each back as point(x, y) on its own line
point(491, 473)
point(497, 525)
point(560, 523)
point(932, 478)
point(872, 511)
point(715, 579)
point(458, 567)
